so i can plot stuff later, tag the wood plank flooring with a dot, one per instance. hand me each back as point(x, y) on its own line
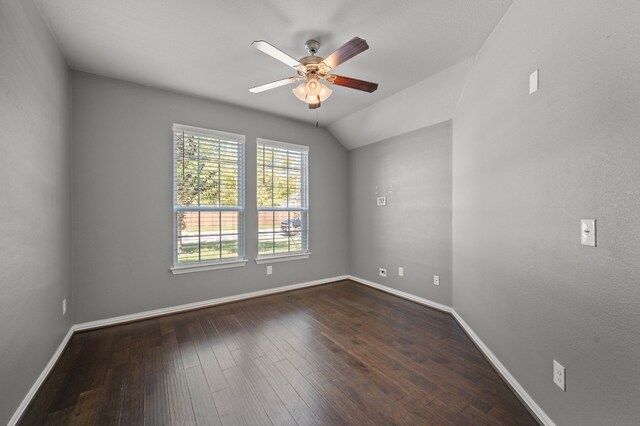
point(340, 353)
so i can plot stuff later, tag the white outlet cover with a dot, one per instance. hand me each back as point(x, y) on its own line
point(382, 272)
point(269, 270)
point(64, 306)
point(533, 82)
point(588, 232)
point(381, 201)
point(436, 280)
point(400, 271)
point(559, 375)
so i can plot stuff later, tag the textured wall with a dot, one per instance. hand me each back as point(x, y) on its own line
point(414, 230)
point(526, 169)
point(35, 248)
point(122, 187)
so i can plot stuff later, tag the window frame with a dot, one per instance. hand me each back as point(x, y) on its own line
point(304, 209)
point(240, 260)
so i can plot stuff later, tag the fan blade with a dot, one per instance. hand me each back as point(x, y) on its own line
point(276, 53)
point(274, 84)
point(314, 106)
point(345, 52)
point(352, 83)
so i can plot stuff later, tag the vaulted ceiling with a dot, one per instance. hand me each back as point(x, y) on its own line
point(203, 47)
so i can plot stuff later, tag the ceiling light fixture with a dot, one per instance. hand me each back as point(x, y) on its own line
point(312, 92)
point(312, 69)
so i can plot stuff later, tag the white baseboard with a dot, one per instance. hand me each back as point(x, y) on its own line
point(197, 305)
point(506, 375)
point(495, 362)
point(404, 295)
point(150, 314)
point(40, 380)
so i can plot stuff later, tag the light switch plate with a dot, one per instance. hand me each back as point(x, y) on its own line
point(588, 232)
point(533, 82)
point(381, 201)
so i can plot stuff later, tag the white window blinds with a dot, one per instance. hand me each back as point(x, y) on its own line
point(282, 198)
point(208, 196)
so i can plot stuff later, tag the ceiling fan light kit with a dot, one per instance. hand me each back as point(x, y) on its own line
point(312, 92)
point(313, 69)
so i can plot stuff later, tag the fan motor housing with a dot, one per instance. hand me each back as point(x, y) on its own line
point(314, 65)
point(311, 60)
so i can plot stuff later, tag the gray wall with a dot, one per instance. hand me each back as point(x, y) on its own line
point(122, 187)
point(526, 169)
point(414, 230)
point(35, 233)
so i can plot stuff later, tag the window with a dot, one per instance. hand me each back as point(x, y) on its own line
point(283, 207)
point(208, 199)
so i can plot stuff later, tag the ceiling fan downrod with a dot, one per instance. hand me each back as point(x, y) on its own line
point(312, 46)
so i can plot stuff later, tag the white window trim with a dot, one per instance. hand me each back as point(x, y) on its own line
point(199, 131)
point(241, 260)
point(219, 264)
point(272, 258)
point(297, 255)
point(284, 145)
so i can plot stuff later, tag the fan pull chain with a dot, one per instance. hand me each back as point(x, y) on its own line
point(317, 113)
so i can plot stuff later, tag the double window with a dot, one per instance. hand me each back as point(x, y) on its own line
point(282, 199)
point(208, 198)
point(208, 203)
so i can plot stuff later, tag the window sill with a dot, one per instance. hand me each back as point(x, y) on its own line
point(185, 269)
point(281, 257)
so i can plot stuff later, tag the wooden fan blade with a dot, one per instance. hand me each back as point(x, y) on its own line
point(345, 52)
point(274, 84)
point(352, 83)
point(314, 106)
point(276, 53)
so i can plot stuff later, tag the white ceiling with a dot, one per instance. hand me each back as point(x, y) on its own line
point(203, 47)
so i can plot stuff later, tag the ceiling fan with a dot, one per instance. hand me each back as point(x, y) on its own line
point(312, 69)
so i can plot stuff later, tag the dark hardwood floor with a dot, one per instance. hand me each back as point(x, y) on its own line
point(335, 354)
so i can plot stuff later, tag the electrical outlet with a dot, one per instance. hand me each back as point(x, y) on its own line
point(559, 375)
point(381, 201)
point(382, 272)
point(269, 270)
point(436, 280)
point(400, 271)
point(64, 306)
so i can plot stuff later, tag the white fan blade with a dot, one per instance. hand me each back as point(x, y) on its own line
point(276, 53)
point(274, 84)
